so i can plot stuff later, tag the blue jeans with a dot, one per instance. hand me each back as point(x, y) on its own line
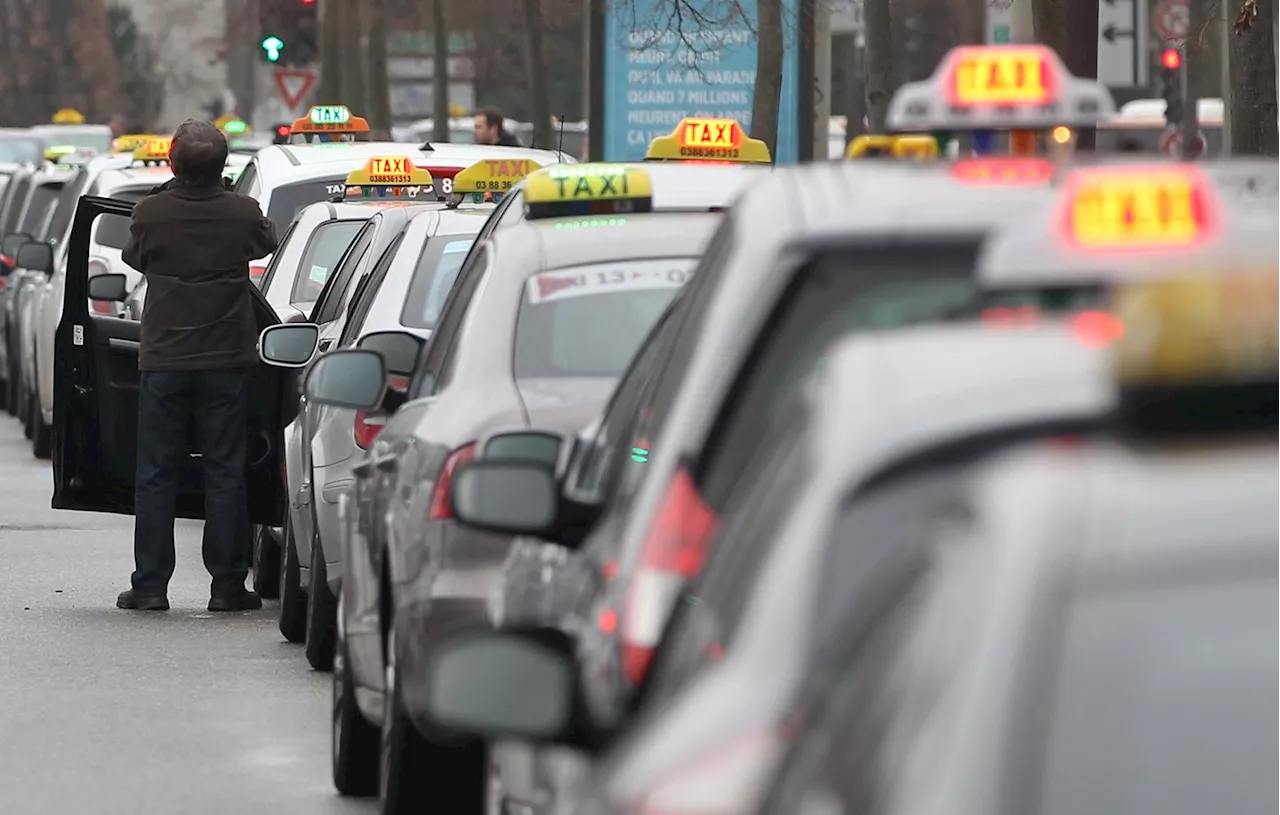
point(170, 405)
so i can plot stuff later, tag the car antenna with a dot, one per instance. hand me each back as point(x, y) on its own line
point(560, 142)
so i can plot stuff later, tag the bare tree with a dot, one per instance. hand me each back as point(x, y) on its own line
point(331, 52)
point(440, 73)
point(880, 83)
point(536, 60)
point(351, 76)
point(1049, 17)
point(379, 91)
point(1253, 77)
point(768, 90)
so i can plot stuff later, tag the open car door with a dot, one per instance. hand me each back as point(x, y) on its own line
point(95, 402)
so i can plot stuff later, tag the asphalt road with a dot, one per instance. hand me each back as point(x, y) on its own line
point(105, 711)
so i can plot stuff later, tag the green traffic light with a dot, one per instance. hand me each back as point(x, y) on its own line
point(272, 45)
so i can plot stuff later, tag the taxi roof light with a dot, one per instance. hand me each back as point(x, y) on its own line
point(387, 177)
point(489, 178)
point(1138, 208)
point(153, 150)
point(587, 189)
point(329, 120)
point(706, 140)
point(898, 147)
point(999, 87)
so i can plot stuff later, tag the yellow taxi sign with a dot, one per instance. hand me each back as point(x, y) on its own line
point(1208, 329)
point(154, 149)
point(68, 116)
point(587, 189)
point(330, 119)
point(131, 141)
point(1154, 207)
point(1002, 75)
point(388, 177)
point(701, 139)
point(901, 147)
point(493, 175)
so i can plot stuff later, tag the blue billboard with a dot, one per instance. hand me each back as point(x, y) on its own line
point(661, 66)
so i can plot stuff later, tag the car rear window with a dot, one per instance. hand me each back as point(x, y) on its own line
point(20, 150)
point(42, 197)
point(589, 320)
point(289, 199)
point(433, 277)
point(327, 244)
point(1165, 700)
point(113, 230)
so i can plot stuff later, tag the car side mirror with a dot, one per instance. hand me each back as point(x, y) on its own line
point(399, 348)
point(290, 345)
point(109, 287)
point(517, 684)
point(36, 256)
point(9, 251)
point(508, 497)
point(353, 378)
point(539, 446)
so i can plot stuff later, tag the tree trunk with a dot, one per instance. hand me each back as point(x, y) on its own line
point(352, 74)
point(1049, 19)
point(768, 91)
point(879, 61)
point(331, 52)
point(379, 91)
point(1253, 89)
point(440, 73)
point(536, 62)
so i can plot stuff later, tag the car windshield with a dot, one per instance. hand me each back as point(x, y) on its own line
point(20, 149)
point(42, 197)
point(96, 139)
point(113, 230)
point(589, 320)
point(1165, 701)
point(290, 199)
point(433, 277)
point(328, 243)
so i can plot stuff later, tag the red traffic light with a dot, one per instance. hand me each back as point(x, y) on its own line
point(308, 2)
point(1171, 58)
point(282, 130)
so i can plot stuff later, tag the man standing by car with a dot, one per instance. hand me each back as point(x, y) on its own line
point(193, 241)
point(490, 129)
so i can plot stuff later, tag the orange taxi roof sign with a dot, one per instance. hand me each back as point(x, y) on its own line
point(388, 177)
point(709, 140)
point(1002, 75)
point(1155, 207)
point(154, 149)
point(330, 119)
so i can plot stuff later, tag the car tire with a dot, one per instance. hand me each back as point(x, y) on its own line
point(24, 408)
point(266, 563)
point(322, 610)
point(293, 598)
point(404, 755)
point(354, 748)
point(41, 433)
point(11, 397)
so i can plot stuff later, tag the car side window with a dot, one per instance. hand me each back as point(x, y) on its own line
point(433, 373)
point(335, 290)
point(359, 310)
point(247, 184)
point(270, 274)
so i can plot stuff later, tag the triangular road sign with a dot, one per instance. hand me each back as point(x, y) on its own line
point(295, 84)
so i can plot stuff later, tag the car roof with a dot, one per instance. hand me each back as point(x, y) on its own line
point(111, 180)
point(644, 235)
point(287, 163)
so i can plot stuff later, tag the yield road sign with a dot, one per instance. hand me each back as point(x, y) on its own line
point(1171, 143)
point(1173, 20)
point(1122, 43)
point(294, 84)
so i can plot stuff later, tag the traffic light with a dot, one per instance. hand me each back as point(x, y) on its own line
point(289, 30)
point(282, 133)
point(1172, 81)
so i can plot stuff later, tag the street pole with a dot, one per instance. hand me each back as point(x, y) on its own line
point(1224, 64)
point(1022, 30)
point(1192, 58)
point(595, 79)
point(822, 67)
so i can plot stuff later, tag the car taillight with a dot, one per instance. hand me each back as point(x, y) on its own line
point(440, 509)
point(674, 552)
point(367, 427)
point(98, 266)
point(256, 273)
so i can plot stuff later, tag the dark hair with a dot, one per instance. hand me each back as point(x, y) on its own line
point(492, 117)
point(198, 153)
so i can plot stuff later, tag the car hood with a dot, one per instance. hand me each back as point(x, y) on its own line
point(566, 404)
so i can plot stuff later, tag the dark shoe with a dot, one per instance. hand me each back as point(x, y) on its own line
point(236, 600)
point(142, 602)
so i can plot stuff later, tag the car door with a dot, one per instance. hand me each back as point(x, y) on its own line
point(95, 402)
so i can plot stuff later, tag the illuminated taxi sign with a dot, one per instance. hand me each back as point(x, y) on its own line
point(1138, 207)
point(330, 119)
point(387, 177)
point(1203, 330)
point(131, 141)
point(900, 147)
point(68, 116)
point(587, 189)
point(493, 175)
point(155, 150)
point(999, 87)
point(56, 151)
point(709, 140)
point(1003, 172)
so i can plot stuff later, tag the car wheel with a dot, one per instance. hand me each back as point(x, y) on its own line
point(403, 787)
point(322, 609)
point(293, 598)
point(41, 433)
point(266, 563)
point(354, 749)
point(24, 407)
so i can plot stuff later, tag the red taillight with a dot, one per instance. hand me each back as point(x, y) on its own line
point(440, 509)
point(367, 427)
point(1010, 315)
point(674, 552)
point(256, 272)
point(1096, 329)
point(97, 266)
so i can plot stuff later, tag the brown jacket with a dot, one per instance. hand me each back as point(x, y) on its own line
point(194, 245)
